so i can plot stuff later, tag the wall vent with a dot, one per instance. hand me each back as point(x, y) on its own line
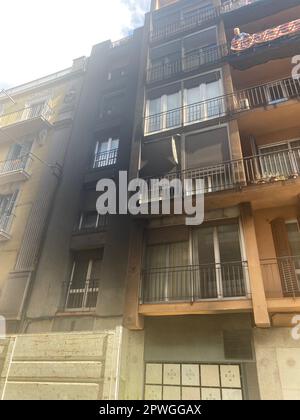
point(238, 345)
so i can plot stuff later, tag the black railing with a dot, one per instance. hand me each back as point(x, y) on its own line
point(198, 19)
point(272, 93)
point(192, 61)
point(285, 270)
point(194, 283)
point(104, 159)
point(82, 296)
point(231, 5)
point(202, 17)
point(255, 170)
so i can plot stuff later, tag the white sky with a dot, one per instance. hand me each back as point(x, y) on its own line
point(39, 37)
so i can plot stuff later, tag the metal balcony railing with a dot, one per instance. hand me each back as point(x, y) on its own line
point(6, 221)
point(101, 224)
point(26, 114)
point(194, 283)
point(104, 159)
point(15, 165)
point(272, 93)
point(255, 170)
point(231, 5)
point(285, 270)
point(82, 297)
point(201, 17)
point(192, 61)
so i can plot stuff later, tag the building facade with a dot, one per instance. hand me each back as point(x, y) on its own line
point(146, 307)
point(36, 123)
point(215, 303)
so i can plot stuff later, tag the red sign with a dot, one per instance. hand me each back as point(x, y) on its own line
point(266, 36)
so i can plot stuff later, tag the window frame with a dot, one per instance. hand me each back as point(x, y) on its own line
point(85, 290)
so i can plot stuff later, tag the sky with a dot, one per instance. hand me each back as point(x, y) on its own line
point(40, 37)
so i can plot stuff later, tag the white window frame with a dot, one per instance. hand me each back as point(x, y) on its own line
point(97, 220)
point(206, 117)
point(218, 263)
point(97, 152)
point(163, 113)
point(85, 291)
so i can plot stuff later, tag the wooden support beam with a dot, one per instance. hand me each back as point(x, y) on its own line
point(260, 308)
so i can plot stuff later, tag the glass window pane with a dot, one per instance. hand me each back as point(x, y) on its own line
point(204, 246)
point(229, 243)
point(156, 256)
point(80, 274)
point(96, 270)
point(294, 238)
point(89, 220)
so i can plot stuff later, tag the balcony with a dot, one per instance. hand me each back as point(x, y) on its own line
point(234, 13)
point(232, 5)
point(202, 58)
point(263, 169)
point(194, 283)
point(203, 17)
point(283, 271)
point(24, 121)
point(271, 94)
point(15, 170)
point(6, 221)
point(105, 159)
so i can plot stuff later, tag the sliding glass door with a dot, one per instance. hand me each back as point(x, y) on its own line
point(221, 271)
point(209, 266)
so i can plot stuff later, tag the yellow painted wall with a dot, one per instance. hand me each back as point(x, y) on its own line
point(27, 189)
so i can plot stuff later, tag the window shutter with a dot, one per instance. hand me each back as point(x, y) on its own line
point(280, 237)
point(286, 265)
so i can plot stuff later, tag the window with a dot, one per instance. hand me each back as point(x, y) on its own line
point(200, 49)
point(84, 283)
point(197, 15)
point(206, 153)
point(164, 112)
point(203, 98)
point(117, 73)
point(193, 381)
point(217, 251)
point(106, 153)
point(17, 157)
point(92, 220)
point(113, 106)
point(165, 278)
point(7, 204)
point(208, 266)
point(165, 61)
point(294, 237)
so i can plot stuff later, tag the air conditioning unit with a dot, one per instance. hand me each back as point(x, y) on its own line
point(244, 104)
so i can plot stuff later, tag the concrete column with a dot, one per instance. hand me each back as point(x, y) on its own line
point(260, 308)
point(132, 320)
